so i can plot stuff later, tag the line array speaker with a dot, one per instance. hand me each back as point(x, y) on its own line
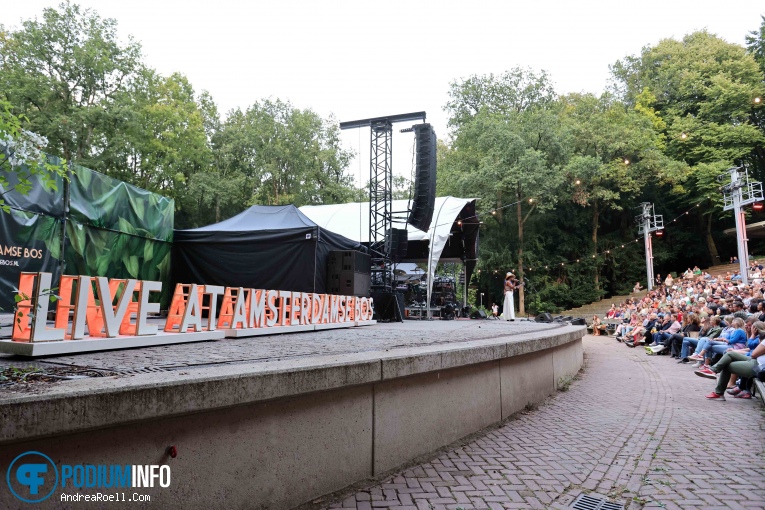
point(424, 199)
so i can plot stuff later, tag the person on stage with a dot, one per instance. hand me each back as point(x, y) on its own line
point(510, 286)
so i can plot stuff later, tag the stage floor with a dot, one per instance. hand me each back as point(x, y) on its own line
point(277, 348)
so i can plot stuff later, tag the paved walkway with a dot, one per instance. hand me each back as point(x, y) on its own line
point(635, 429)
point(389, 336)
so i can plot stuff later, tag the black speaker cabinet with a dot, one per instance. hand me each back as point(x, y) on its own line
point(389, 306)
point(396, 241)
point(424, 199)
point(543, 317)
point(348, 273)
point(478, 314)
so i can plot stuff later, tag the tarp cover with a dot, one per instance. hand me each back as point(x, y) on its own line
point(264, 247)
point(105, 226)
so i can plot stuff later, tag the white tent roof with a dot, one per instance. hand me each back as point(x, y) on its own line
point(352, 221)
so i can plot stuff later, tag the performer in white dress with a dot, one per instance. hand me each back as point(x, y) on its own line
point(509, 309)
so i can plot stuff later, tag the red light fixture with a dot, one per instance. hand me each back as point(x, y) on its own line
point(659, 233)
point(757, 206)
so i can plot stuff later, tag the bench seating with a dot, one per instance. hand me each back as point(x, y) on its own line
point(759, 387)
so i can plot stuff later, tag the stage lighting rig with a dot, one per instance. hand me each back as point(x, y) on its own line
point(381, 184)
point(738, 193)
point(649, 222)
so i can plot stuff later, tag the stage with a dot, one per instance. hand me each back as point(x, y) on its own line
point(279, 420)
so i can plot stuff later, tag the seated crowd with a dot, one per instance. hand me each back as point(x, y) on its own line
point(715, 323)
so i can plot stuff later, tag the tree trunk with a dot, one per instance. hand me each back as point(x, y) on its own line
point(521, 294)
point(595, 217)
point(711, 246)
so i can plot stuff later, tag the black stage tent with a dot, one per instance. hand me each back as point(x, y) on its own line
point(264, 247)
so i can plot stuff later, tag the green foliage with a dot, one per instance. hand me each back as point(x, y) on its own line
point(21, 154)
point(63, 73)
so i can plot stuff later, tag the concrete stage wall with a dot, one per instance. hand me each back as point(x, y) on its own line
point(276, 437)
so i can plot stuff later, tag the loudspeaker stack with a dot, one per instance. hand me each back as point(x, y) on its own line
point(348, 273)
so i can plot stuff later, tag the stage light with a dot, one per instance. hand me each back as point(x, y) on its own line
point(659, 233)
point(757, 206)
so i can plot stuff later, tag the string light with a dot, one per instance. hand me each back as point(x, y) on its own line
point(659, 233)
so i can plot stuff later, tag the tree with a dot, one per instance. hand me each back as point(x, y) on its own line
point(701, 90)
point(158, 139)
point(285, 154)
point(513, 91)
point(616, 152)
point(507, 149)
point(63, 73)
point(21, 153)
point(755, 45)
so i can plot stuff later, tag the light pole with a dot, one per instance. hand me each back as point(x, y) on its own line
point(649, 222)
point(480, 301)
point(740, 192)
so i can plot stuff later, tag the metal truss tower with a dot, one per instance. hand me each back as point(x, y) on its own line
point(649, 222)
point(739, 193)
point(381, 191)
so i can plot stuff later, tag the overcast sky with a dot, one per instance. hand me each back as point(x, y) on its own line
point(359, 59)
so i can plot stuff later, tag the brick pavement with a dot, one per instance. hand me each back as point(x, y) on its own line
point(634, 428)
